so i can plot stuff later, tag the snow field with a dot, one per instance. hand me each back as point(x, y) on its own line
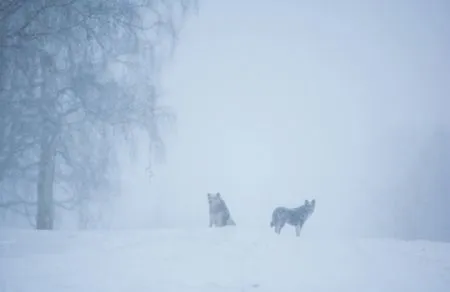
point(221, 259)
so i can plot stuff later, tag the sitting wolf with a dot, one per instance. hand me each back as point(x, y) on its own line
point(219, 215)
point(296, 217)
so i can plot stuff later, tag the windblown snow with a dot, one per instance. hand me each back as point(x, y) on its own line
point(222, 259)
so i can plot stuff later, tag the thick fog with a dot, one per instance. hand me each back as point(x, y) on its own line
point(280, 102)
point(345, 102)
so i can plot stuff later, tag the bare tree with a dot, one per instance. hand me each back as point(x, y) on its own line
point(74, 76)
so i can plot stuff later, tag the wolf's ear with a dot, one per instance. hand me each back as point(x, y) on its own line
point(306, 202)
point(313, 202)
point(218, 195)
point(208, 195)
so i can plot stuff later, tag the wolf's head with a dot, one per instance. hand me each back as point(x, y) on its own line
point(215, 201)
point(310, 206)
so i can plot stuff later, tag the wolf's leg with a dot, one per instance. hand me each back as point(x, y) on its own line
point(278, 227)
point(210, 220)
point(298, 228)
point(274, 220)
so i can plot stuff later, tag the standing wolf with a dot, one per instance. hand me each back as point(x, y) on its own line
point(219, 215)
point(295, 217)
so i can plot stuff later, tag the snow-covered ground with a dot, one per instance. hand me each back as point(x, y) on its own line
point(227, 259)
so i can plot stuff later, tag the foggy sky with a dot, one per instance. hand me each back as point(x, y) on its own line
point(282, 101)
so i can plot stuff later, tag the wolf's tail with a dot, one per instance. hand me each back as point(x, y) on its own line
point(231, 222)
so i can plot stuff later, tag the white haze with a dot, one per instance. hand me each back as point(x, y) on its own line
point(282, 101)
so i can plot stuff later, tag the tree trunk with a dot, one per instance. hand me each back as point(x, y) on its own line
point(45, 206)
point(83, 216)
